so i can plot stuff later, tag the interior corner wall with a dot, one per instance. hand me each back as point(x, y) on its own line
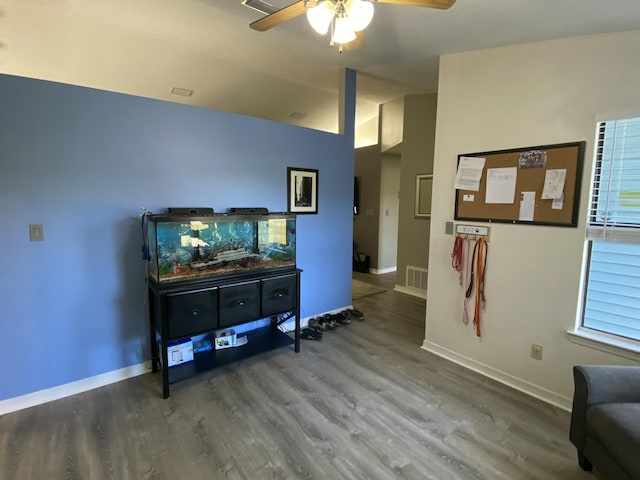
point(367, 133)
point(416, 158)
point(519, 96)
point(82, 162)
point(365, 224)
point(391, 124)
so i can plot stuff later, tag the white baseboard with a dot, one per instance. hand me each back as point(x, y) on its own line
point(411, 291)
point(535, 391)
point(381, 271)
point(55, 393)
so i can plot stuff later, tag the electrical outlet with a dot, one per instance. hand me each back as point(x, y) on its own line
point(536, 351)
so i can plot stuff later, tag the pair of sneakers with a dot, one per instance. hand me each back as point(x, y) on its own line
point(330, 321)
point(310, 333)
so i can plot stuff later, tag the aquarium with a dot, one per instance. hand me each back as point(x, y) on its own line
point(184, 248)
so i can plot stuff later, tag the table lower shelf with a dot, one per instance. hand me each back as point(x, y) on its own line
point(258, 341)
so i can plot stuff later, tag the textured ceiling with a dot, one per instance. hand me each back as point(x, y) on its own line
point(146, 47)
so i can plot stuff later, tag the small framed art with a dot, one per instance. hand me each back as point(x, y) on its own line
point(302, 186)
point(424, 185)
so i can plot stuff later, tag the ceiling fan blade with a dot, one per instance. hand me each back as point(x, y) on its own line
point(280, 16)
point(441, 4)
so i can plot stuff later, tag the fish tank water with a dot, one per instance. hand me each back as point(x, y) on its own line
point(186, 248)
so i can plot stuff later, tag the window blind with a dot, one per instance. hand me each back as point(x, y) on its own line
point(615, 205)
point(612, 300)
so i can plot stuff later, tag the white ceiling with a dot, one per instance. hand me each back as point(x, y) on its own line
point(146, 47)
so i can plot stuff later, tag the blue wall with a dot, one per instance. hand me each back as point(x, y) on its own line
point(82, 162)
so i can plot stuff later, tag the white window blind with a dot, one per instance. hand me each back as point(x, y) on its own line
point(615, 204)
point(612, 299)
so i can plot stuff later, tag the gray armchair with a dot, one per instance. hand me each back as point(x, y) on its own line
point(605, 420)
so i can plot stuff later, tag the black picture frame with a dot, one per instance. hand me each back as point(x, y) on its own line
point(302, 190)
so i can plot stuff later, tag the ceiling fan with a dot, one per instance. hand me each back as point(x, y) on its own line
point(345, 18)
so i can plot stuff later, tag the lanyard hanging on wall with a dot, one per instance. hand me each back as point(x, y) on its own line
point(481, 266)
point(457, 256)
point(461, 261)
point(471, 266)
point(470, 275)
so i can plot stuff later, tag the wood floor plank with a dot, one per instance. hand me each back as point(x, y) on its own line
point(365, 402)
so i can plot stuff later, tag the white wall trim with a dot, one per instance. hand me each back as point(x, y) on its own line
point(611, 344)
point(83, 385)
point(535, 391)
point(411, 291)
point(375, 271)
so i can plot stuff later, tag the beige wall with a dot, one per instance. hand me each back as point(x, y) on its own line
point(519, 96)
point(417, 158)
point(389, 212)
point(365, 225)
point(391, 124)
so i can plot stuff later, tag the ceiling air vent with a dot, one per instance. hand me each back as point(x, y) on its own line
point(181, 91)
point(259, 5)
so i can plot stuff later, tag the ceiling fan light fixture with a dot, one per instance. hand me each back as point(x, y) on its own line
point(320, 16)
point(359, 13)
point(342, 31)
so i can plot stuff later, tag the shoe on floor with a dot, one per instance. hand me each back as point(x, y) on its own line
point(355, 313)
point(342, 318)
point(329, 321)
point(318, 323)
point(310, 334)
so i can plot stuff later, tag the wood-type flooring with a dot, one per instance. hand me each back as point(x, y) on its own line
point(365, 402)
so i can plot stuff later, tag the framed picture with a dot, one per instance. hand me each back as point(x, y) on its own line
point(302, 186)
point(424, 185)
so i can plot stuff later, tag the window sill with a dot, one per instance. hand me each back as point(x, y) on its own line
point(625, 348)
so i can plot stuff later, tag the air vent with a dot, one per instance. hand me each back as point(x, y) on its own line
point(260, 6)
point(416, 278)
point(181, 91)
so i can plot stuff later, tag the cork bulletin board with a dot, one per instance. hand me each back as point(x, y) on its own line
point(536, 172)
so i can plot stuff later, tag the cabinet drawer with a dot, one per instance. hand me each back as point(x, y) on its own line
point(239, 303)
point(279, 294)
point(191, 313)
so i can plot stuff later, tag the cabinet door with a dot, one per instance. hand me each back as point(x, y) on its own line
point(279, 294)
point(239, 303)
point(192, 312)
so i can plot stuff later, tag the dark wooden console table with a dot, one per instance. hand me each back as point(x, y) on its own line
point(180, 312)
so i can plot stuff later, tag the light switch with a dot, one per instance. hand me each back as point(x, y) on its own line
point(448, 228)
point(36, 233)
